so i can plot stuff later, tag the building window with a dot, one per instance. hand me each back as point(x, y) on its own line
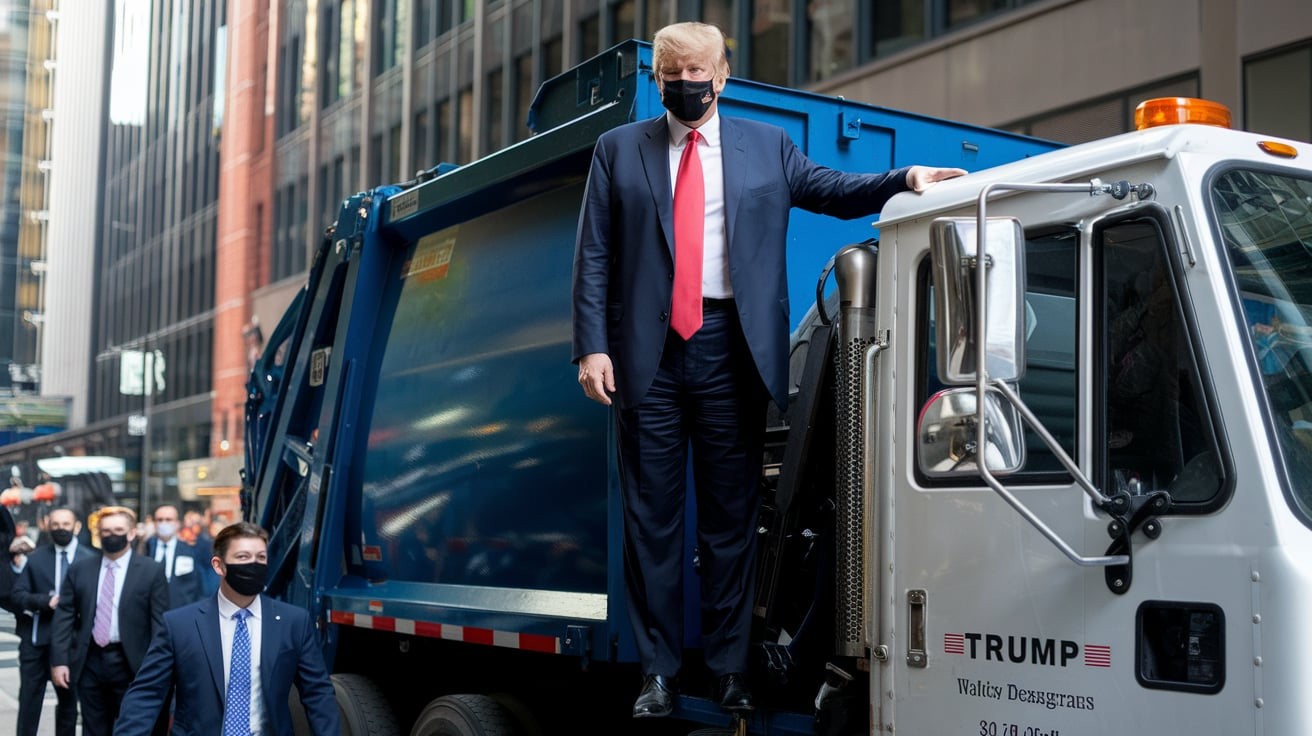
point(1278, 93)
point(624, 21)
point(960, 12)
point(465, 142)
point(419, 142)
point(394, 155)
point(391, 33)
point(898, 24)
point(772, 27)
point(589, 36)
point(496, 108)
point(832, 25)
point(658, 15)
point(553, 58)
point(443, 131)
point(524, 91)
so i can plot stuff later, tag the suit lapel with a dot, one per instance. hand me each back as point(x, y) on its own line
point(207, 626)
point(270, 636)
point(733, 157)
point(655, 151)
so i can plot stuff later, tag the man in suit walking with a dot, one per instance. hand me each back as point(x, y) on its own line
point(183, 565)
point(234, 657)
point(109, 609)
point(36, 594)
point(702, 201)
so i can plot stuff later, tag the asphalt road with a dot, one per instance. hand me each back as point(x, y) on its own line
point(9, 684)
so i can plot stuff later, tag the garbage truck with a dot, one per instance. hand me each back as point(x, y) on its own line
point(1044, 471)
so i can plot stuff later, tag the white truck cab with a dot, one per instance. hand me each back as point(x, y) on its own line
point(1136, 554)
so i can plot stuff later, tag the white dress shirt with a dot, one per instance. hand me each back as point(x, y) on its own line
point(715, 255)
point(227, 628)
point(60, 571)
point(120, 572)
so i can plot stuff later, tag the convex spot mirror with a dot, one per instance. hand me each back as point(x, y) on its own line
point(947, 435)
point(956, 303)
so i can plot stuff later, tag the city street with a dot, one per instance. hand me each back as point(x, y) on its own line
point(9, 683)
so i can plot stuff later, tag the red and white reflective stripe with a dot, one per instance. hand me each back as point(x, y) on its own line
point(467, 634)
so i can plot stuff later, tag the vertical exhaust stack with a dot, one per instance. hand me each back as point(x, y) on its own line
point(854, 272)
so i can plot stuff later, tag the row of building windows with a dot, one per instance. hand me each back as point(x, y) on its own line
point(460, 109)
point(179, 369)
point(156, 270)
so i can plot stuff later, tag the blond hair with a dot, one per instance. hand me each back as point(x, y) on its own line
point(690, 39)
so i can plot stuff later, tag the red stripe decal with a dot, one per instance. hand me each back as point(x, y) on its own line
point(537, 643)
point(429, 629)
point(478, 636)
point(342, 617)
point(384, 623)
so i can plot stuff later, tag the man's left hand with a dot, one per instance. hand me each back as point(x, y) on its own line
point(919, 178)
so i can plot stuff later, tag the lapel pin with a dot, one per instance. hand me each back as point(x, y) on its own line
point(277, 618)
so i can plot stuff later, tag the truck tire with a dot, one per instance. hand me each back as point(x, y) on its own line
point(465, 715)
point(363, 709)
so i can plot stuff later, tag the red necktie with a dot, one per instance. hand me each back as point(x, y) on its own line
point(689, 226)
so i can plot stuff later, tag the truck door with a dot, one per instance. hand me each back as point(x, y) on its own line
point(996, 630)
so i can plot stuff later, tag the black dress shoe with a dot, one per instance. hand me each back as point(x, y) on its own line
point(734, 693)
point(657, 697)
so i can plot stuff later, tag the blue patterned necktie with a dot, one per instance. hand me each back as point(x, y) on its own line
point(237, 713)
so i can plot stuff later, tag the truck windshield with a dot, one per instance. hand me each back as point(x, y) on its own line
point(1265, 220)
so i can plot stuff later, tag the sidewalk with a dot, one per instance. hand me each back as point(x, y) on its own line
point(9, 684)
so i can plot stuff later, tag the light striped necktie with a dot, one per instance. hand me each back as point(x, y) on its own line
point(237, 710)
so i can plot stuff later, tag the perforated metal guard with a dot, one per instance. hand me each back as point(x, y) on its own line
point(856, 334)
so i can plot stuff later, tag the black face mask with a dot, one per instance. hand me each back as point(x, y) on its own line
point(688, 101)
point(61, 537)
point(113, 543)
point(246, 578)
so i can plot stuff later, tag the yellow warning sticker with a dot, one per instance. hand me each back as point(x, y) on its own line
point(432, 257)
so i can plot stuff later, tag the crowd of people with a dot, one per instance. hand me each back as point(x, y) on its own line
point(123, 616)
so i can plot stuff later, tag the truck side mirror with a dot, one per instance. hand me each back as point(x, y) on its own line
point(947, 439)
point(956, 303)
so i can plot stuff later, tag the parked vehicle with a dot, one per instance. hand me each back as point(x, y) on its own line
point(1131, 557)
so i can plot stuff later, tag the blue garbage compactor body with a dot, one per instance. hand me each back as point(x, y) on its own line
point(418, 444)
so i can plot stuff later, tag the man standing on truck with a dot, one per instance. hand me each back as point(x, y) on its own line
point(692, 357)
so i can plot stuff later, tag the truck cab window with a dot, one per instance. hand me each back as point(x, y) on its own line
point(1157, 429)
point(1265, 222)
point(1048, 386)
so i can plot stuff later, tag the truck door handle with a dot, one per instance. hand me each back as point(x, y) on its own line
point(916, 654)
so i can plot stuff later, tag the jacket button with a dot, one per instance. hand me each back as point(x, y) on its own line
point(665, 316)
point(670, 275)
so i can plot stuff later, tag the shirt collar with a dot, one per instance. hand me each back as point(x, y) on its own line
point(709, 130)
point(227, 607)
point(70, 548)
point(122, 562)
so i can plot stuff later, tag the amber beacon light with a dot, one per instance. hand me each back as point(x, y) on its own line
point(1180, 110)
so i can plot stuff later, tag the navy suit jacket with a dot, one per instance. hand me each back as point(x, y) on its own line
point(188, 654)
point(188, 569)
point(33, 588)
point(624, 259)
point(141, 609)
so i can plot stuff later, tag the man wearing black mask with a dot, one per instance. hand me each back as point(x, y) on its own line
point(215, 652)
point(691, 359)
point(36, 595)
point(109, 609)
